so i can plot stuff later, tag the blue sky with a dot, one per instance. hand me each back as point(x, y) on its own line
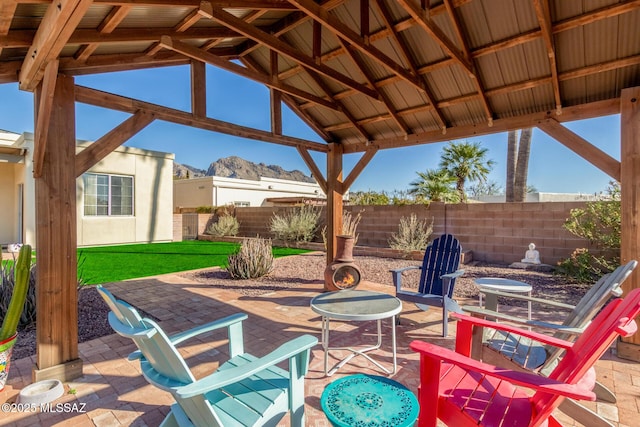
point(552, 167)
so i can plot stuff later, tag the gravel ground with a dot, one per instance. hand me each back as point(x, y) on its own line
point(308, 269)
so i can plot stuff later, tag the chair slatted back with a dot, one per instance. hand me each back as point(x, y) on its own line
point(442, 256)
point(162, 365)
point(593, 301)
point(617, 318)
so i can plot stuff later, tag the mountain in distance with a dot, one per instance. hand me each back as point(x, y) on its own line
point(236, 167)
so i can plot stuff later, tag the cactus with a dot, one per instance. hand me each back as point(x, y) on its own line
point(22, 272)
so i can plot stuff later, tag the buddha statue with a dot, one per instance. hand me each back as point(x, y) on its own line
point(532, 256)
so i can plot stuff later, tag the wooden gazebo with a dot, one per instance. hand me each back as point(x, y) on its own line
point(366, 75)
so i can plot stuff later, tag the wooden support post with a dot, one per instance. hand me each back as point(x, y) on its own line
point(334, 198)
point(629, 348)
point(56, 242)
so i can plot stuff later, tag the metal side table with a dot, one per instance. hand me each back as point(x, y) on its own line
point(355, 305)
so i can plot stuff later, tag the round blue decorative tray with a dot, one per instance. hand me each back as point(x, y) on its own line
point(369, 401)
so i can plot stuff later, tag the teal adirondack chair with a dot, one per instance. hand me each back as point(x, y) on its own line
point(244, 391)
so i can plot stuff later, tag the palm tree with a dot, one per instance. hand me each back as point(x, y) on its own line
point(466, 161)
point(518, 165)
point(434, 185)
point(522, 168)
point(512, 155)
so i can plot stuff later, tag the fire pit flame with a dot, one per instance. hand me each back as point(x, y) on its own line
point(346, 281)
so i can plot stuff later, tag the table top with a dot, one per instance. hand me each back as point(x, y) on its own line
point(500, 284)
point(369, 400)
point(351, 304)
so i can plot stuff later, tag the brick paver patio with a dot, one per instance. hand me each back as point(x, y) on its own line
point(112, 391)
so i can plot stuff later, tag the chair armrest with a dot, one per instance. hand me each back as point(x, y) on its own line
point(526, 298)
point(396, 275)
point(484, 313)
point(525, 379)
point(233, 375)
point(447, 279)
point(207, 327)
point(198, 330)
point(453, 275)
point(466, 321)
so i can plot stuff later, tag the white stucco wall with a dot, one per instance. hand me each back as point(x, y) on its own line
point(152, 220)
point(220, 191)
point(8, 202)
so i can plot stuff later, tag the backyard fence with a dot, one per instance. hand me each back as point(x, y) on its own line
point(494, 232)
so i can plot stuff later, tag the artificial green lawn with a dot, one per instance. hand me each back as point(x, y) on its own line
point(114, 263)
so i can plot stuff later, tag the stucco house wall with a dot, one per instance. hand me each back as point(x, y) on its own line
point(221, 191)
point(152, 219)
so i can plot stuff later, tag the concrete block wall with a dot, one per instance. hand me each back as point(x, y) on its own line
point(494, 232)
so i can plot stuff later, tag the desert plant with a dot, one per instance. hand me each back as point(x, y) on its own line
point(413, 234)
point(297, 225)
point(600, 223)
point(582, 266)
point(253, 259)
point(20, 288)
point(227, 225)
point(349, 227)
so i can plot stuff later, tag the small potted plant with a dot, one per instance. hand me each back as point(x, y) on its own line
point(8, 331)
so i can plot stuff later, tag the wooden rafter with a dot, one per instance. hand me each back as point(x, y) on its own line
point(101, 148)
point(581, 147)
point(185, 23)
point(355, 40)
point(108, 24)
point(121, 103)
point(290, 101)
point(544, 18)
point(283, 48)
point(579, 112)
point(475, 76)
point(249, 18)
point(7, 10)
point(431, 28)
point(209, 58)
point(58, 23)
point(393, 115)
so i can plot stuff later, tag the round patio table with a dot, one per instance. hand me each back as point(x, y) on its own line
point(356, 305)
point(369, 400)
point(502, 285)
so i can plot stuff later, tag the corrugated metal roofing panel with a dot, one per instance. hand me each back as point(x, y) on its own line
point(425, 49)
point(157, 17)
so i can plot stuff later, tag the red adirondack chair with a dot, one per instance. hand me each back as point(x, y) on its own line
point(462, 392)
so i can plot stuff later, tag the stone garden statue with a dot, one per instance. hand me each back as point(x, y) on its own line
point(532, 256)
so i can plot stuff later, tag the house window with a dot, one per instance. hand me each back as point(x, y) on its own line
point(107, 195)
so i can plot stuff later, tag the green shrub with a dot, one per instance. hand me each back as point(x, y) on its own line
point(412, 235)
point(227, 225)
point(583, 266)
point(253, 259)
point(598, 222)
point(297, 225)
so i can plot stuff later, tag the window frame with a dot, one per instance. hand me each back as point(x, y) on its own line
point(109, 195)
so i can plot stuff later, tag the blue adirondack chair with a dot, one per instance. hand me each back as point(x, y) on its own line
point(437, 278)
point(244, 391)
